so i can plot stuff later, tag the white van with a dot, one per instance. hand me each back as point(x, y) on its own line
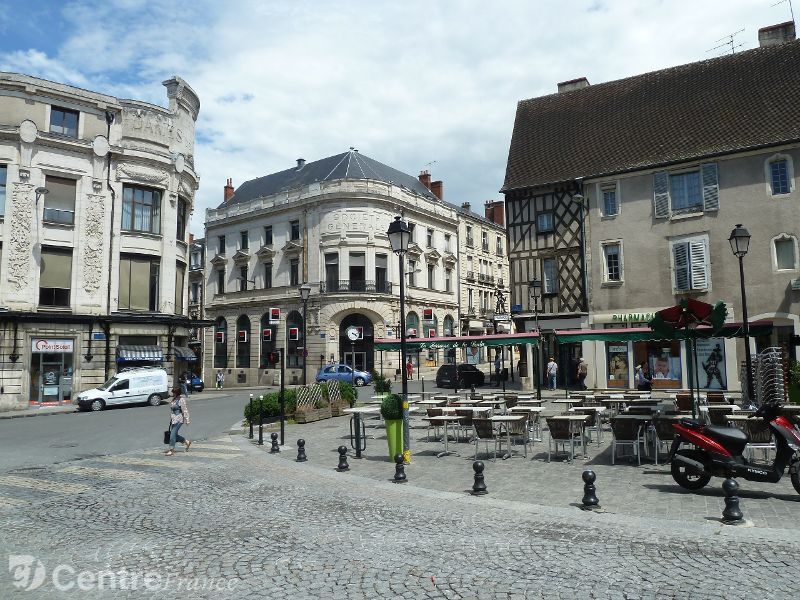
point(130, 386)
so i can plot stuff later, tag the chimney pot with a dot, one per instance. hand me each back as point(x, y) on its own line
point(437, 187)
point(573, 84)
point(775, 35)
point(425, 179)
point(494, 210)
point(300, 163)
point(228, 190)
point(465, 206)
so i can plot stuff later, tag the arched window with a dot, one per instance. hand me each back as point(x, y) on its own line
point(449, 326)
point(412, 325)
point(784, 252)
point(294, 339)
point(243, 342)
point(221, 344)
point(268, 339)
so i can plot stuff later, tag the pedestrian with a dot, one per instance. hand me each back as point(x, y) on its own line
point(497, 368)
point(189, 387)
point(644, 381)
point(183, 385)
point(179, 415)
point(220, 379)
point(583, 371)
point(552, 372)
point(409, 369)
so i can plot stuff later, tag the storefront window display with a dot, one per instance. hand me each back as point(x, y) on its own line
point(51, 371)
point(617, 364)
point(664, 359)
point(711, 358)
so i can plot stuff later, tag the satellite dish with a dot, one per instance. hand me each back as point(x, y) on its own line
point(100, 146)
point(28, 131)
point(180, 163)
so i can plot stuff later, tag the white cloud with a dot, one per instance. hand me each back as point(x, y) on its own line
point(405, 82)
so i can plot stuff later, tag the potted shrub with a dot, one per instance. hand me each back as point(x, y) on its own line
point(794, 382)
point(382, 385)
point(392, 413)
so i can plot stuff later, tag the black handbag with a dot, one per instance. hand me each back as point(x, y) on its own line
point(168, 433)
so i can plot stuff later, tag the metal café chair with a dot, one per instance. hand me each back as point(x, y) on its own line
point(485, 432)
point(626, 432)
point(561, 432)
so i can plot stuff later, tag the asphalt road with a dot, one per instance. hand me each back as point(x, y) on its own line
point(53, 439)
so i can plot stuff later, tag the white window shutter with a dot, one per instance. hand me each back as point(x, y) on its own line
point(680, 254)
point(661, 195)
point(697, 255)
point(710, 187)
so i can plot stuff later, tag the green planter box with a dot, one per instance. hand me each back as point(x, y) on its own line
point(394, 437)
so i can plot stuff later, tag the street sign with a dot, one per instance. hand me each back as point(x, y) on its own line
point(502, 317)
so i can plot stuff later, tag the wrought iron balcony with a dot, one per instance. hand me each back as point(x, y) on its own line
point(355, 285)
point(470, 274)
point(470, 242)
point(470, 311)
point(500, 282)
point(485, 246)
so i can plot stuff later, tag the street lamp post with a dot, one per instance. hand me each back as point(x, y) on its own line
point(399, 236)
point(535, 290)
point(305, 292)
point(740, 244)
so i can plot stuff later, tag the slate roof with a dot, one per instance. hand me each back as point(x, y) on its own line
point(348, 165)
point(742, 101)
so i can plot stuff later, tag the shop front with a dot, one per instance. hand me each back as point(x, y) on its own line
point(51, 371)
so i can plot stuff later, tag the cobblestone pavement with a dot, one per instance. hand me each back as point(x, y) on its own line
point(230, 520)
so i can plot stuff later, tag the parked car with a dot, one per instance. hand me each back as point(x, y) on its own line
point(467, 375)
point(129, 386)
point(344, 373)
point(196, 384)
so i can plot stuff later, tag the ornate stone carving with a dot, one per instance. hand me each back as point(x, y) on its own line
point(21, 242)
point(151, 176)
point(93, 242)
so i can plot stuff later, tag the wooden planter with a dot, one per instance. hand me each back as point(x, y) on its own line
point(309, 415)
point(338, 409)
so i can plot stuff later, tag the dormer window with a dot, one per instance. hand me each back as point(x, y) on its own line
point(64, 121)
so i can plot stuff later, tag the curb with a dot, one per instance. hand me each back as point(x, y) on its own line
point(23, 414)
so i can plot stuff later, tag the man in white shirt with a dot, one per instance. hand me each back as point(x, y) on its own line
point(552, 372)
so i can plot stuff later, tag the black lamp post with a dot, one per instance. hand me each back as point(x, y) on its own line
point(740, 244)
point(305, 292)
point(399, 236)
point(535, 292)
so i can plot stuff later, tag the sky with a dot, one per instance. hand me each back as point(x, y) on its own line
point(415, 84)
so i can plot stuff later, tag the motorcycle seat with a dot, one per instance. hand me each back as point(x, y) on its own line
point(692, 423)
point(733, 438)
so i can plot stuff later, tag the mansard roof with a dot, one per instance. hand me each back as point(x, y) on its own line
point(348, 165)
point(743, 101)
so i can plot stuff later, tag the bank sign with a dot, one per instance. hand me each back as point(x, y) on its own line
point(49, 345)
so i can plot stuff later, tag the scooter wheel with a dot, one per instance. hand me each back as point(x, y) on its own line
point(796, 482)
point(685, 477)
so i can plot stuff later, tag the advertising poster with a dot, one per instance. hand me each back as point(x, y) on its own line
point(663, 363)
point(711, 361)
point(618, 363)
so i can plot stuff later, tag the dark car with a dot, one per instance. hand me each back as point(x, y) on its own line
point(196, 384)
point(467, 375)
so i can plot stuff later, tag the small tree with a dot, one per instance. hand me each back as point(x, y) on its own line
point(392, 408)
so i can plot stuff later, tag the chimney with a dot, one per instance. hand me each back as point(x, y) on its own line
point(775, 35)
point(573, 84)
point(425, 179)
point(495, 212)
point(465, 206)
point(228, 190)
point(437, 187)
point(301, 162)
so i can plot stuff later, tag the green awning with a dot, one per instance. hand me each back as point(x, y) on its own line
point(463, 341)
point(636, 334)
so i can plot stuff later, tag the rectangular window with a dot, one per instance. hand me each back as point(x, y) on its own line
point(141, 209)
point(550, 274)
point(447, 242)
point(412, 273)
point(64, 121)
point(55, 279)
point(3, 175)
point(690, 263)
point(544, 222)
point(294, 272)
point(470, 239)
point(267, 275)
point(448, 280)
point(220, 281)
point(138, 283)
point(431, 278)
point(59, 203)
point(268, 235)
point(358, 271)
point(221, 245)
point(784, 254)
point(244, 240)
point(194, 260)
point(610, 206)
point(180, 274)
point(470, 303)
point(429, 238)
point(613, 262)
point(180, 233)
point(243, 277)
point(485, 241)
point(332, 272)
point(381, 280)
point(779, 175)
point(294, 230)
point(194, 293)
point(685, 192)
point(499, 246)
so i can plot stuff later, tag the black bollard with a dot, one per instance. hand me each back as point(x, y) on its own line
point(399, 469)
point(590, 501)
point(275, 446)
point(479, 486)
point(731, 515)
point(261, 420)
point(343, 466)
point(251, 417)
point(301, 450)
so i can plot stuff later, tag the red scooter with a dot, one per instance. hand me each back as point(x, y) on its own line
point(718, 451)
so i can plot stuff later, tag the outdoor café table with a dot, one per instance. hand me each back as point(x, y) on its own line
point(569, 402)
point(575, 418)
point(529, 403)
point(508, 419)
point(488, 396)
point(522, 397)
point(526, 409)
point(496, 403)
point(446, 419)
point(475, 409)
point(431, 402)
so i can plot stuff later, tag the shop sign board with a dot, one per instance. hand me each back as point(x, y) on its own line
point(51, 345)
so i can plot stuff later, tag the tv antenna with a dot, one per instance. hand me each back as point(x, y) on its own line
point(433, 162)
point(728, 41)
point(791, 8)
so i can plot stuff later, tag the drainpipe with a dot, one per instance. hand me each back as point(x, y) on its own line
point(109, 121)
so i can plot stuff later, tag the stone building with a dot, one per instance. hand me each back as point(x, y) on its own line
point(663, 166)
point(324, 223)
point(95, 195)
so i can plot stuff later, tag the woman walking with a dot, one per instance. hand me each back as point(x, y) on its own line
point(179, 415)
